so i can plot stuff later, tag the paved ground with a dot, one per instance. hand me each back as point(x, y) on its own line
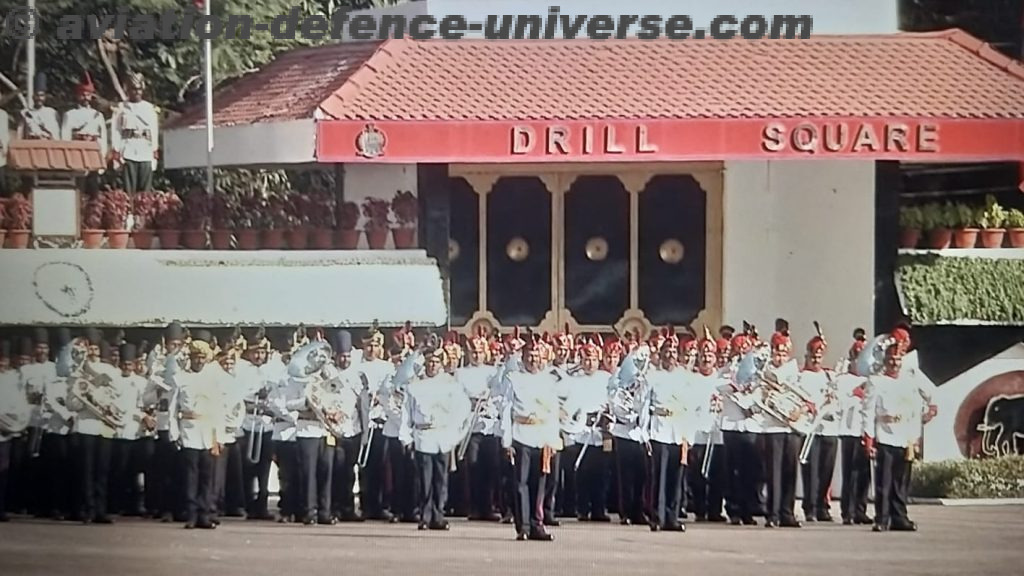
point(952, 540)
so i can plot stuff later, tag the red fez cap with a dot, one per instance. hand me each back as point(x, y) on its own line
point(781, 341)
point(85, 86)
point(816, 344)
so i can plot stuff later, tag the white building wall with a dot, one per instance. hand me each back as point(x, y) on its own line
point(377, 181)
point(799, 244)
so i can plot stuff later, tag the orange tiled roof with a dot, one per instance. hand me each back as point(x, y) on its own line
point(946, 74)
point(55, 156)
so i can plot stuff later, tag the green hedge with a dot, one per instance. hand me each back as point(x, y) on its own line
point(988, 478)
point(947, 289)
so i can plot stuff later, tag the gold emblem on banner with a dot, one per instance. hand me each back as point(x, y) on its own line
point(518, 249)
point(453, 249)
point(597, 249)
point(672, 251)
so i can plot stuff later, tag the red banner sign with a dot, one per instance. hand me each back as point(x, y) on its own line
point(939, 140)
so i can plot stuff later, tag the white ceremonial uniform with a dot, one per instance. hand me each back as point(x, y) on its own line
point(588, 395)
point(85, 123)
point(294, 392)
point(789, 373)
point(135, 132)
point(346, 395)
point(893, 409)
point(13, 404)
point(674, 404)
point(435, 414)
point(37, 378)
point(260, 378)
point(705, 388)
point(40, 123)
point(378, 379)
point(481, 385)
point(818, 385)
point(530, 415)
point(200, 394)
point(132, 402)
point(851, 422)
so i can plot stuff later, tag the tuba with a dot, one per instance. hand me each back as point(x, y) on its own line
point(97, 394)
point(871, 360)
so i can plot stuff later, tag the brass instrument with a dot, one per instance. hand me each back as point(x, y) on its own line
point(785, 402)
point(96, 393)
point(255, 453)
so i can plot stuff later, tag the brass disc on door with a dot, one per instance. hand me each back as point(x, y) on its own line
point(518, 249)
point(453, 249)
point(672, 251)
point(597, 249)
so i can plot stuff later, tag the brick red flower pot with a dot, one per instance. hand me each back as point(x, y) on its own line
point(1016, 236)
point(992, 238)
point(92, 239)
point(965, 238)
point(220, 239)
point(169, 239)
point(18, 239)
point(377, 238)
point(405, 238)
point(348, 239)
point(909, 237)
point(193, 239)
point(939, 238)
point(272, 239)
point(3, 237)
point(118, 239)
point(248, 239)
point(143, 239)
point(322, 239)
point(298, 238)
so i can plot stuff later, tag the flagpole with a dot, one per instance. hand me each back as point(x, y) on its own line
point(208, 84)
point(30, 57)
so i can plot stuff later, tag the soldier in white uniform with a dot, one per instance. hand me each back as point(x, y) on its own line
point(530, 427)
point(559, 491)
point(85, 123)
point(374, 492)
point(708, 492)
point(856, 466)
point(264, 373)
point(125, 497)
point(15, 413)
point(483, 453)
point(588, 403)
point(458, 500)
point(135, 138)
point(403, 493)
point(47, 391)
point(435, 414)
point(893, 411)
point(628, 401)
point(347, 382)
point(740, 435)
point(201, 424)
point(816, 474)
point(41, 121)
point(235, 387)
point(285, 442)
point(167, 467)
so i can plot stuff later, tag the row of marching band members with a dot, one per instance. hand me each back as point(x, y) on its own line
point(522, 428)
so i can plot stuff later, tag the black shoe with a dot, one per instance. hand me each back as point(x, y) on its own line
point(352, 517)
point(442, 525)
point(582, 518)
point(4, 517)
point(655, 528)
point(700, 518)
point(103, 520)
point(904, 526)
point(409, 520)
point(735, 521)
point(522, 537)
point(309, 521)
point(625, 522)
point(190, 525)
point(716, 518)
point(825, 517)
point(749, 521)
point(552, 522)
point(790, 523)
point(326, 521)
point(422, 526)
point(675, 527)
point(541, 536)
point(771, 524)
point(864, 520)
point(809, 518)
point(880, 528)
point(237, 513)
point(600, 518)
point(506, 519)
point(206, 525)
point(847, 522)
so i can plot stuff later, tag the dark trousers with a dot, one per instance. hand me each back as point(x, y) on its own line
point(165, 476)
point(138, 176)
point(256, 475)
point(94, 467)
point(315, 463)
point(404, 481)
point(29, 487)
point(121, 477)
point(783, 450)
point(567, 489)
point(286, 455)
point(743, 468)
point(856, 478)
point(433, 470)
point(5, 473)
point(528, 511)
point(482, 466)
point(631, 469)
point(58, 484)
point(373, 485)
point(16, 483)
point(817, 476)
point(667, 482)
point(343, 478)
point(891, 469)
point(143, 498)
point(234, 494)
point(707, 493)
point(199, 478)
point(592, 482)
point(551, 485)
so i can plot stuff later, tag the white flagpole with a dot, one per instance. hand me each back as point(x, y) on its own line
point(30, 58)
point(208, 84)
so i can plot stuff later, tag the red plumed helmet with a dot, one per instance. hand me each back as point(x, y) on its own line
point(781, 341)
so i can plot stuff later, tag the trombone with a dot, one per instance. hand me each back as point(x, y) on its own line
point(255, 452)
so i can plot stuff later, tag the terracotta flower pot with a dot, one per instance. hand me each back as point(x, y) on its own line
point(909, 237)
point(18, 239)
point(169, 239)
point(92, 239)
point(965, 238)
point(322, 238)
point(992, 238)
point(193, 239)
point(1016, 237)
point(3, 237)
point(377, 238)
point(220, 239)
point(272, 239)
point(348, 239)
point(143, 239)
point(405, 238)
point(939, 238)
point(118, 239)
point(248, 239)
point(298, 238)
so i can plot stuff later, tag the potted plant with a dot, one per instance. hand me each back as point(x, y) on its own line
point(406, 210)
point(248, 223)
point(117, 207)
point(223, 215)
point(19, 221)
point(3, 222)
point(992, 221)
point(935, 222)
point(92, 221)
point(196, 221)
point(378, 222)
point(910, 226)
point(143, 211)
point(167, 217)
point(321, 217)
point(1015, 227)
point(276, 221)
point(297, 208)
point(965, 233)
point(348, 220)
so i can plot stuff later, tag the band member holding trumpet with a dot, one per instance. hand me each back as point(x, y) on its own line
point(347, 385)
point(894, 409)
point(46, 440)
point(482, 450)
point(590, 454)
point(856, 466)
point(817, 471)
point(265, 372)
point(14, 418)
point(530, 434)
point(435, 415)
point(707, 473)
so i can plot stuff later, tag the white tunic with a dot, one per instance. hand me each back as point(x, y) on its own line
point(294, 396)
point(87, 423)
point(893, 410)
point(85, 123)
point(530, 414)
point(135, 131)
point(133, 389)
point(674, 401)
point(817, 385)
point(201, 395)
point(790, 374)
point(37, 379)
point(631, 411)
point(348, 390)
point(851, 422)
point(435, 414)
point(588, 396)
point(481, 386)
point(40, 123)
point(13, 403)
point(705, 389)
point(378, 378)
